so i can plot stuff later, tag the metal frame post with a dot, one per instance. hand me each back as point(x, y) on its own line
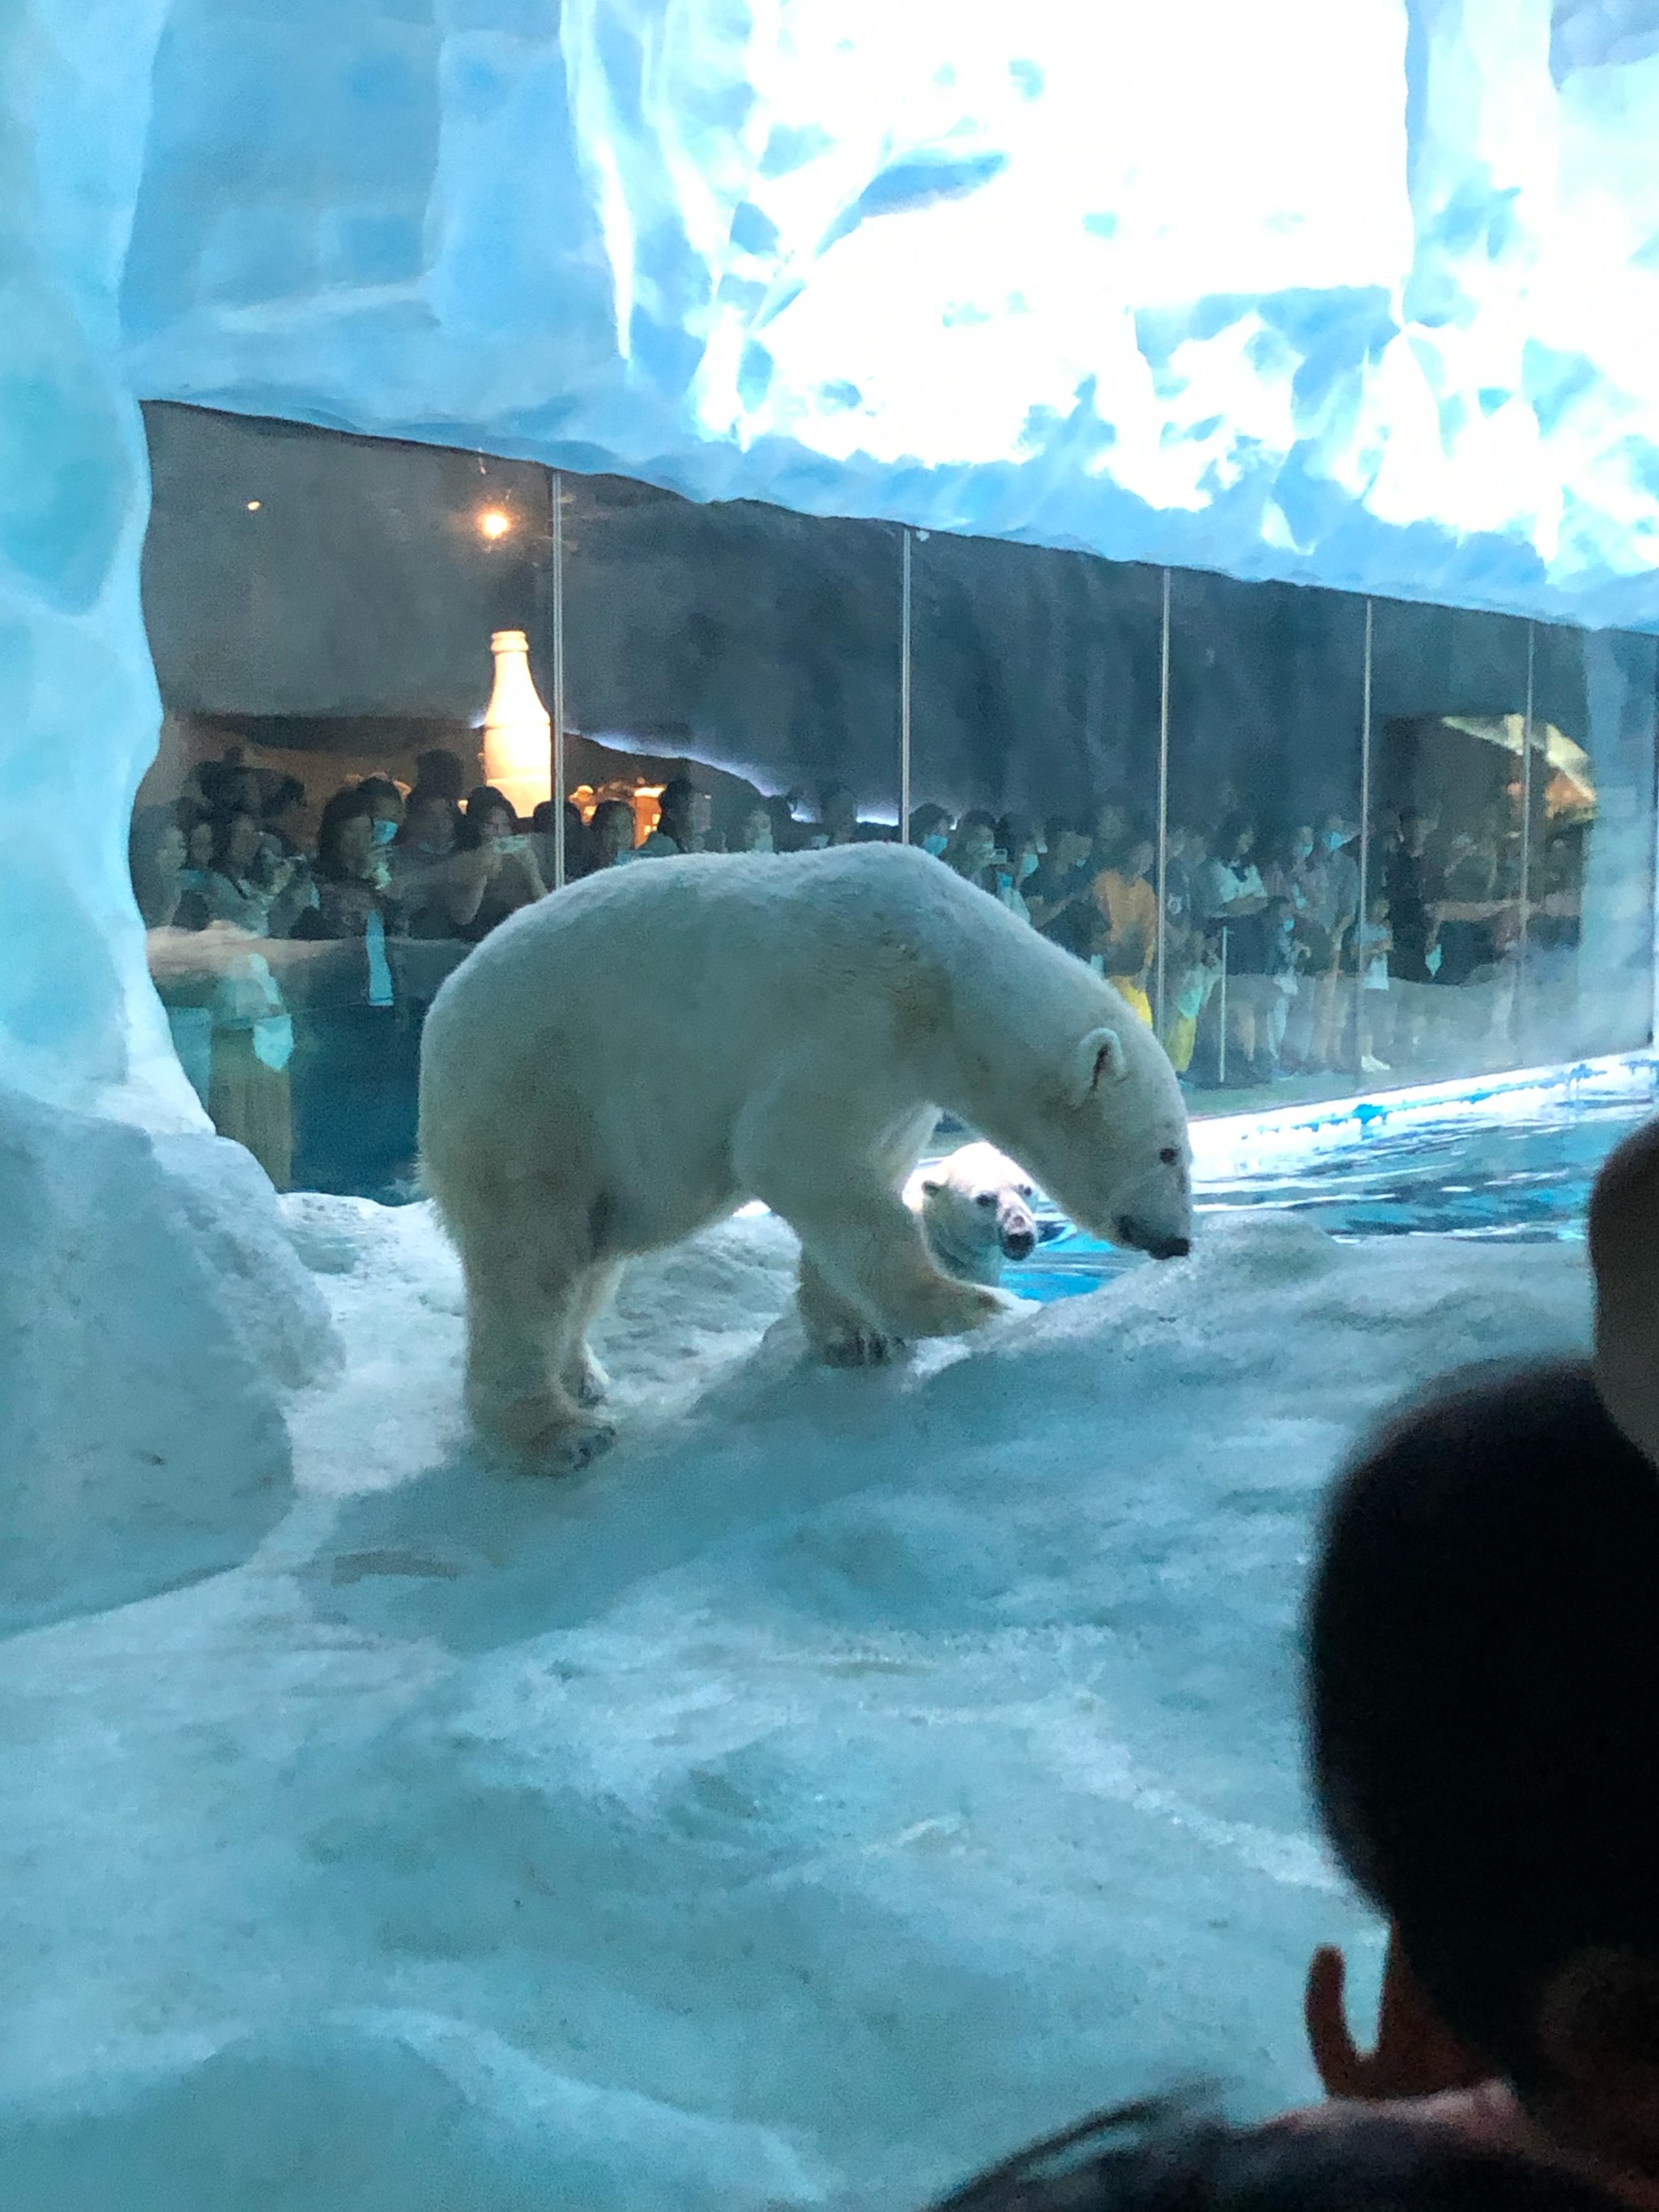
point(904, 687)
point(1159, 968)
point(1362, 919)
point(558, 764)
point(1221, 1048)
point(1523, 937)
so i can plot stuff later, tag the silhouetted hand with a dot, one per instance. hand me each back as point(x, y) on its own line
point(1415, 2055)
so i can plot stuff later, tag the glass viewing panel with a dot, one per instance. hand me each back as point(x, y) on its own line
point(359, 644)
point(1266, 704)
point(320, 610)
point(735, 660)
point(1586, 979)
point(1448, 851)
point(1034, 744)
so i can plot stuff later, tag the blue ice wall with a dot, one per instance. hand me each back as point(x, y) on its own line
point(1354, 291)
point(79, 1023)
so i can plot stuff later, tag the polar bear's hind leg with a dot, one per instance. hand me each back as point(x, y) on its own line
point(530, 1293)
point(584, 1378)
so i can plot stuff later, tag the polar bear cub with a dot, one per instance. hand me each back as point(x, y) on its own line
point(975, 1207)
point(632, 1058)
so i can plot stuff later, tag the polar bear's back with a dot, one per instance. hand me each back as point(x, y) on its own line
point(656, 997)
point(718, 940)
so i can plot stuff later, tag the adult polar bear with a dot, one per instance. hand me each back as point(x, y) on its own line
point(621, 1064)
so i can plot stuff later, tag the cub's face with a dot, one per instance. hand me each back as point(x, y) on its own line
point(977, 1202)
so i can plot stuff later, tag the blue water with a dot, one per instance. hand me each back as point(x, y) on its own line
point(1492, 1180)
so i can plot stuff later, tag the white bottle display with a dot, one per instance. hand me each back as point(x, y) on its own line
point(517, 732)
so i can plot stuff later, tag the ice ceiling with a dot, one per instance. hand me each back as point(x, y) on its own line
point(1362, 292)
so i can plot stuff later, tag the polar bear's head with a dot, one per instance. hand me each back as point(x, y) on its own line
point(1103, 1127)
point(975, 1209)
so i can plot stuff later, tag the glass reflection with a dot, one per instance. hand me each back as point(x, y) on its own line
point(362, 648)
point(1586, 983)
point(1266, 707)
point(1449, 828)
point(1034, 748)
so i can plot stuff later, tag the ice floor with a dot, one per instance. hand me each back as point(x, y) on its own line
point(854, 1775)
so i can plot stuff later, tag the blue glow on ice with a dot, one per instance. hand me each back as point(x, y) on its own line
point(1358, 295)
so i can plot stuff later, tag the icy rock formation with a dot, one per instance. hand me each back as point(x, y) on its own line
point(388, 2113)
point(1352, 295)
point(151, 1312)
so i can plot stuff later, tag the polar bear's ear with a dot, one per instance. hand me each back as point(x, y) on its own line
point(1100, 1059)
point(931, 1185)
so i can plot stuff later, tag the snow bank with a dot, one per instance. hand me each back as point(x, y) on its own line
point(151, 1315)
point(1356, 296)
point(387, 2113)
point(850, 1776)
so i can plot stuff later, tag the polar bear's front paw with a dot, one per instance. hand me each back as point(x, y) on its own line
point(575, 1444)
point(854, 1346)
point(944, 1307)
point(546, 1435)
point(565, 1447)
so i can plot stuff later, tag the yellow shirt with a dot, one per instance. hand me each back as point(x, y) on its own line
point(1127, 904)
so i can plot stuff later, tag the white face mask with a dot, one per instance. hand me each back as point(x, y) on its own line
point(385, 832)
point(1028, 865)
point(935, 844)
point(1334, 841)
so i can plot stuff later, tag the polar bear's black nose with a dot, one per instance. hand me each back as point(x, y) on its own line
point(1156, 1246)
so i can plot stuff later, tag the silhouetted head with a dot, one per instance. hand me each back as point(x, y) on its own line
point(1161, 2157)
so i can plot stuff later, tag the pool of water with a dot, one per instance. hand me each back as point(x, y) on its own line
point(1490, 1179)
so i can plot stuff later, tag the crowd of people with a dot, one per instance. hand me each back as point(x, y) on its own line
point(1252, 954)
point(1268, 969)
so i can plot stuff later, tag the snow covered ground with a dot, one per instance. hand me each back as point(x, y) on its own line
point(849, 1777)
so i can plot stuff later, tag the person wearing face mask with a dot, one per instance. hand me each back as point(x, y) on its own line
point(930, 829)
point(1301, 878)
point(494, 866)
point(353, 873)
point(755, 830)
point(1335, 916)
point(422, 854)
point(1018, 839)
point(685, 817)
point(1286, 958)
point(1059, 894)
point(972, 851)
point(354, 1074)
point(543, 845)
point(385, 809)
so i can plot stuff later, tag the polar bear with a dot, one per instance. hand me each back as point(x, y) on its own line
point(634, 1057)
point(974, 1208)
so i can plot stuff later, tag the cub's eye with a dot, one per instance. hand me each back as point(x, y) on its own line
point(1025, 1190)
point(985, 1198)
point(1169, 1156)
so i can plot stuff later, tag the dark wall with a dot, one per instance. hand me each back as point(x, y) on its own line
point(360, 585)
point(768, 643)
